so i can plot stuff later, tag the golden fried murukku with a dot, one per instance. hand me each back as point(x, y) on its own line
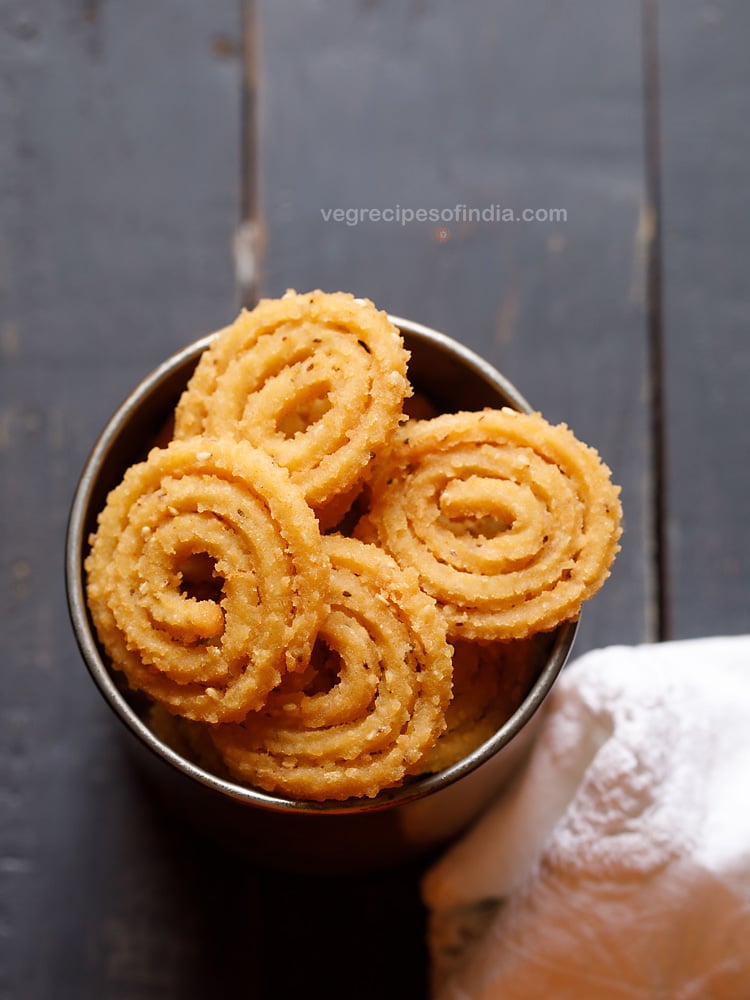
point(325, 588)
point(373, 699)
point(205, 577)
point(510, 521)
point(317, 380)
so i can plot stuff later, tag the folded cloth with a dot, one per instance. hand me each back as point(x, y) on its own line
point(618, 863)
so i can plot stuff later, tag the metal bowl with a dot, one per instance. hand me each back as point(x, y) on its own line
point(396, 826)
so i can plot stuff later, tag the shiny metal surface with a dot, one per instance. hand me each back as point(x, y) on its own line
point(398, 824)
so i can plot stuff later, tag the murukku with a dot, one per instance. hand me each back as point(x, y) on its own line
point(323, 587)
point(205, 577)
point(373, 699)
point(510, 522)
point(317, 380)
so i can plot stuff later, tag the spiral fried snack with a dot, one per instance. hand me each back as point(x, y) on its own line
point(373, 699)
point(316, 380)
point(228, 508)
point(511, 522)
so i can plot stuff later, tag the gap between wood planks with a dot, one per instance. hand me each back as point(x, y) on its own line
point(248, 237)
point(661, 626)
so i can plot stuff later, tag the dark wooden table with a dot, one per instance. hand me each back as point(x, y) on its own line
point(162, 163)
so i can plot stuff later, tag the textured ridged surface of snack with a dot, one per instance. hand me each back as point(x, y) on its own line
point(318, 380)
point(207, 655)
point(373, 700)
point(510, 521)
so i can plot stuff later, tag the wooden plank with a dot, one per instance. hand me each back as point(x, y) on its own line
point(705, 76)
point(525, 106)
point(119, 145)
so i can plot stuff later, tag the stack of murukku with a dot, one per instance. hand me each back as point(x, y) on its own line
point(322, 596)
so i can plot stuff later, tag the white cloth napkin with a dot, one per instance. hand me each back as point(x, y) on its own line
point(618, 863)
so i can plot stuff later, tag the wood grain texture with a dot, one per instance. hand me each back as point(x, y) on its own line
point(705, 144)
point(118, 201)
point(521, 106)
point(161, 163)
